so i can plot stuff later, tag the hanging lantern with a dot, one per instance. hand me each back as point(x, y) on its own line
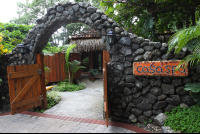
point(111, 37)
point(23, 49)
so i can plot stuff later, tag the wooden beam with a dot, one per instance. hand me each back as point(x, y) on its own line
point(26, 102)
point(25, 89)
point(24, 74)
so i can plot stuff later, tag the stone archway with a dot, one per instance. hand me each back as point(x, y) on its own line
point(56, 17)
point(133, 98)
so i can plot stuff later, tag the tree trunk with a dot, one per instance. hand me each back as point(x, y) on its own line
point(187, 18)
point(193, 16)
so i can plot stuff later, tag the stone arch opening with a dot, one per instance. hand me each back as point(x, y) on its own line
point(56, 17)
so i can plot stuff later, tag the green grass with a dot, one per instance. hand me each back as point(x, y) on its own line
point(66, 86)
point(183, 119)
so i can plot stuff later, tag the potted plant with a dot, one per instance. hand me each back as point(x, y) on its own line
point(92, 73)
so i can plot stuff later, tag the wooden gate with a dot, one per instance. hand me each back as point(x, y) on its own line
point(27, 86)
point(106, 59)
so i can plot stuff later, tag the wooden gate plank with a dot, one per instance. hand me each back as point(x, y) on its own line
point(38, 83)
point(18, 88)
point(34, 87)
point(23, 83)
point(26, 102)
point(11, 83)
point(26, 88)
point(30, 90)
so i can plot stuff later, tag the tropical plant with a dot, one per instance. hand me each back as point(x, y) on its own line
point(195, 91)
point(71, 67)
point(189, 38)
point(94, 71)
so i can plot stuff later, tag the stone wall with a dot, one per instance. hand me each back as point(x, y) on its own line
point(132, 98)
point(4, 90)
point(140, 98)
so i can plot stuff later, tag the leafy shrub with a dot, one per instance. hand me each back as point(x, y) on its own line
point(53, 49)
point(3, 50)
point(93, 71)
point(53, 98)
point(66, 86)
point(183, 119)
point(13, 34)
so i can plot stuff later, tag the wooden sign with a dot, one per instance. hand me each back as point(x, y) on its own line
point(158, 68)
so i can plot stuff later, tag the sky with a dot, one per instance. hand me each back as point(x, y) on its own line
point(8, 10)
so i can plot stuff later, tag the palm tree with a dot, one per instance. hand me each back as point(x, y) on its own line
point(189, 38)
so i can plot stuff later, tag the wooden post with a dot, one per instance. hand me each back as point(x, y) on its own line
point(106, 57)
point(91, 61)
point(40, 62)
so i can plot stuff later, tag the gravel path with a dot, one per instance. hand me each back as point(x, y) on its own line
point(86, 103)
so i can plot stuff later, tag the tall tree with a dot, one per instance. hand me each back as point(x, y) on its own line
point(148, 17)
point(75, 28)
point(28, 12)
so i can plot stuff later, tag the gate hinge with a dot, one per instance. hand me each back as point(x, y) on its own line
point(39, 71)
point(41, 97)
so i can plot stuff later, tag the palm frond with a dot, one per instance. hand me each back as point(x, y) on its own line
point(184, 38)
point(67, 55)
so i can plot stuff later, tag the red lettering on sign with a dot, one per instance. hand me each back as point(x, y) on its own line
point(158, 68)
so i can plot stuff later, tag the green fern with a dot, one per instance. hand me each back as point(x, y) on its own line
point(195, 91)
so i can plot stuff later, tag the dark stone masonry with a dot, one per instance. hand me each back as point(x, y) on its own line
point(132, 98)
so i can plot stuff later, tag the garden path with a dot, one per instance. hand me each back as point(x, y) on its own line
point(86, 103)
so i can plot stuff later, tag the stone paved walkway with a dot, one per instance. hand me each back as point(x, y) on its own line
point(33, 122)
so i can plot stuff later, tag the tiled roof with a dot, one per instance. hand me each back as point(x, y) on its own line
point(89, 34)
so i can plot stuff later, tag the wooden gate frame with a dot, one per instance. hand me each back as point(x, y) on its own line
point(105, 91)
point(21, 86)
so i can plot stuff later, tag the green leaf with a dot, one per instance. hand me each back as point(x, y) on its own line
point(192, 87)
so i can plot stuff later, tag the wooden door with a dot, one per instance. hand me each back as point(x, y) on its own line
point(27, 86)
